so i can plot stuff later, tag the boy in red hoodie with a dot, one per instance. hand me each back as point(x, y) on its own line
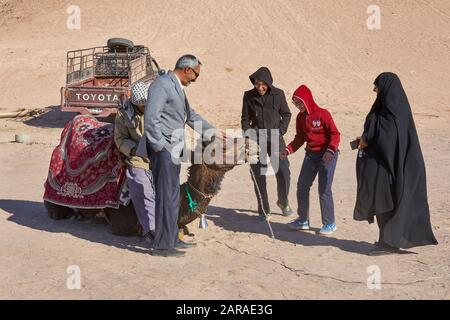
point(316, 127)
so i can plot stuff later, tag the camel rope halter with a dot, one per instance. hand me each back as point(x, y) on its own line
point(204, 195)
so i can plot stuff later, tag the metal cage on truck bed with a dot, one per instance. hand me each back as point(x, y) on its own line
point(97, 78)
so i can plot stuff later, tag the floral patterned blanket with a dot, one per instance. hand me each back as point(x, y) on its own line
point(86, 170)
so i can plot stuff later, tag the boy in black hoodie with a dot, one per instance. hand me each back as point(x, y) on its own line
point(265, 107)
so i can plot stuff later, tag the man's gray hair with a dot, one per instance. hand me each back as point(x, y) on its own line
point(187, 61)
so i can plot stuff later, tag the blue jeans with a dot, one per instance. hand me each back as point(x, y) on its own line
point(313, 165)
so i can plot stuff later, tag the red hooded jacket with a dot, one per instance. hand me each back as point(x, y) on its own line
point(315, 127)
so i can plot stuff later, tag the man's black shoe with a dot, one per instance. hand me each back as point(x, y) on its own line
point(148, 239)
point(167, 253)
point(185, 245)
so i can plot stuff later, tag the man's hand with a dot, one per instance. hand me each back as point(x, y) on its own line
point(220, 134)
point(362, 143)
point(284, 154)
point(327, 157)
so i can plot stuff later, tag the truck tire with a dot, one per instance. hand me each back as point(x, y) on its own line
point(119, 43)
point(57, 212)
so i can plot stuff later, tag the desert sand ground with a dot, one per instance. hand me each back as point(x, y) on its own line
point(325, 44)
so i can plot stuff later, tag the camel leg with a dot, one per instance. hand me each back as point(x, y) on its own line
point(187, 232)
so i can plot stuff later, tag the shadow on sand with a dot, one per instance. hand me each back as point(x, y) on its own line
point(233, 220)
point(33, 215)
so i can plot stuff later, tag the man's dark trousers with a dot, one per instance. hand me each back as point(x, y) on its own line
point(166, 176)
point(283, 176)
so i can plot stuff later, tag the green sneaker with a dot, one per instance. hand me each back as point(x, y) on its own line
point(285, 210)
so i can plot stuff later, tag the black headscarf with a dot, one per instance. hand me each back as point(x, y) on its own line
point(395, 168)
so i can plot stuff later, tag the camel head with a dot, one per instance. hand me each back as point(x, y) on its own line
point(219, 155)
point(206, 173)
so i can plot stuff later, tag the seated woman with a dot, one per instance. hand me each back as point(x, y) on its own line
point(390, 172)
point(129, 127)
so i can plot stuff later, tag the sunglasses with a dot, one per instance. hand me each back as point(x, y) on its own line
point(196, 74)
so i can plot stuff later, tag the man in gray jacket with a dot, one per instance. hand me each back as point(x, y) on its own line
point(166, 113)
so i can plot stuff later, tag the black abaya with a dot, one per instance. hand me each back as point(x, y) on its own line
point(391, 171)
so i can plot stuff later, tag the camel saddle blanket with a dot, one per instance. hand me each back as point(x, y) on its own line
point(86, 170)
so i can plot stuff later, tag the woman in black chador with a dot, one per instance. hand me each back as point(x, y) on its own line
point(390, 171)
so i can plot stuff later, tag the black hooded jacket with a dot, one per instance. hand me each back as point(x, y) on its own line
point(391, 171)
point(270, 111)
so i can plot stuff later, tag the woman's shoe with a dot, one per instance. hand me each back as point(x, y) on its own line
point(382, 248)
point(328, 229)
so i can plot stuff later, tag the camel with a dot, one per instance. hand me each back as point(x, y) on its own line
point(203, 183)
